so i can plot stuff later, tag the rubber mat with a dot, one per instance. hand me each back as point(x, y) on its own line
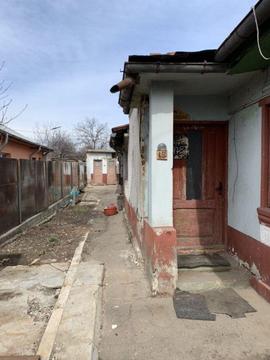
point(227, 301)
point(202, 260)
point(191, 306)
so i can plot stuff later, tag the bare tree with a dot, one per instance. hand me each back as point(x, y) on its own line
point(6, 102)
point(59, 140)
point(92, 134)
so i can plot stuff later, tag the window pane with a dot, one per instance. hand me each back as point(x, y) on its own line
point(194, 166)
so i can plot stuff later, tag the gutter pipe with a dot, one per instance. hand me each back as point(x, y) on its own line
point(126, 86)
point(204, 67)
point(243, 31)
point(34, 152)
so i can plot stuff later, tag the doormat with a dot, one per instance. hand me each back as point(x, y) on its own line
point(191, 306)
point(202, 260)
point(227, 301)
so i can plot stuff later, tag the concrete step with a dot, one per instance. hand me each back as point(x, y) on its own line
point(194, 281)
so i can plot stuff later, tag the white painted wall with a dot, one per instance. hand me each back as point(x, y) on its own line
point(132, 184)
point(207, 107)
point(145, 185)
point(246, 115)
point(160, 180)
point(244, 173)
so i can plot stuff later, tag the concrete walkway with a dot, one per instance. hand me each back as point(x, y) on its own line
point(138, 326)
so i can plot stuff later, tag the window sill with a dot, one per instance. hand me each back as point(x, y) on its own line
point(264, 215)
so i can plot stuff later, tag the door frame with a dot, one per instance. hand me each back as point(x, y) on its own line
point(214, 123)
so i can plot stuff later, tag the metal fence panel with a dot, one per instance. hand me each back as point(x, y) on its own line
point(40, 186)
point(9, 210)
point(29, 186)
point(75, 173)
point(81, 175)
point(27, 183)
point(66, 177)
point(54, 174)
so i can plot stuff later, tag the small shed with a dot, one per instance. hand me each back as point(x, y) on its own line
point(101, 167)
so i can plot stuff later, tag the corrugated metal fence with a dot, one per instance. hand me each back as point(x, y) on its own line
point(29, 186)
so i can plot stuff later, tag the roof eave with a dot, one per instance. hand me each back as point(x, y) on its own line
point(134, 69)
point(25, 141)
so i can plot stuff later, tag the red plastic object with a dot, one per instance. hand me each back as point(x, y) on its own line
point(110, 210)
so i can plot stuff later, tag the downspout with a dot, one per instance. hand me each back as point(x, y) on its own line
point(123, 84)
point(34, 152)
point(125, 87)
point(45, 154)
point(5, 143)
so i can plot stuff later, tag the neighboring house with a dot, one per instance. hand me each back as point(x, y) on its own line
point(101, 167)
point(16, 146)
point(198, 149)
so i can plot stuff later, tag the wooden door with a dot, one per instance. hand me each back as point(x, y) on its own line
point(111, 172)
point(97, 174)
point(199, 185)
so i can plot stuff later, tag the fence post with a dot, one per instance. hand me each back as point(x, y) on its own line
point(78, 174)
point(61, 178)
point(71, 175)
point(19, 188)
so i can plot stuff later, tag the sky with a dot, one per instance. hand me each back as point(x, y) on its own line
point(62, 56)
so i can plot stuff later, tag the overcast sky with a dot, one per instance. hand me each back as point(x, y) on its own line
point(62, 56)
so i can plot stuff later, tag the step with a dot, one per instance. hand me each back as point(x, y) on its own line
point(194, 281)
point(214, 261)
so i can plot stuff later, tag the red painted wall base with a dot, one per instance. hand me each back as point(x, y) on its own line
point(158, 248)
point(252, 252)
point(262, 288)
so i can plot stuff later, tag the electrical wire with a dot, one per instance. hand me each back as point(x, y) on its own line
point(258, 35)
point(236, 160)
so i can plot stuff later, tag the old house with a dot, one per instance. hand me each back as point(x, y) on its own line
point(198, 152)
point(16, 146)
point(101, 167)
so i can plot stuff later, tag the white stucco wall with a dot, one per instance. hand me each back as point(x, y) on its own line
point(133, 183)
point(246, 121)
point(244, 171)
point(145, 185)
point(160, 183)
point(208, 107)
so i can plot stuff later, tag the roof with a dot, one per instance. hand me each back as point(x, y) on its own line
point(101, 151)
point(19, 137)
point(176, 57)
point(120, 128)
point(222, 60)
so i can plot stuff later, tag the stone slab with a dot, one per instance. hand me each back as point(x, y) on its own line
point(79, 327)
point(25, 305)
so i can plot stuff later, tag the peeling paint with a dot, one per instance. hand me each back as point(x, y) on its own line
point(255, 271)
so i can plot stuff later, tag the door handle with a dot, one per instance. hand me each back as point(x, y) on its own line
point(219, 189)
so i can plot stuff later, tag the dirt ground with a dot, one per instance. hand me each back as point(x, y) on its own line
point(53, 241)
point(28, 293)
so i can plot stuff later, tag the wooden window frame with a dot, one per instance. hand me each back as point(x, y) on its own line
point(264, 209)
